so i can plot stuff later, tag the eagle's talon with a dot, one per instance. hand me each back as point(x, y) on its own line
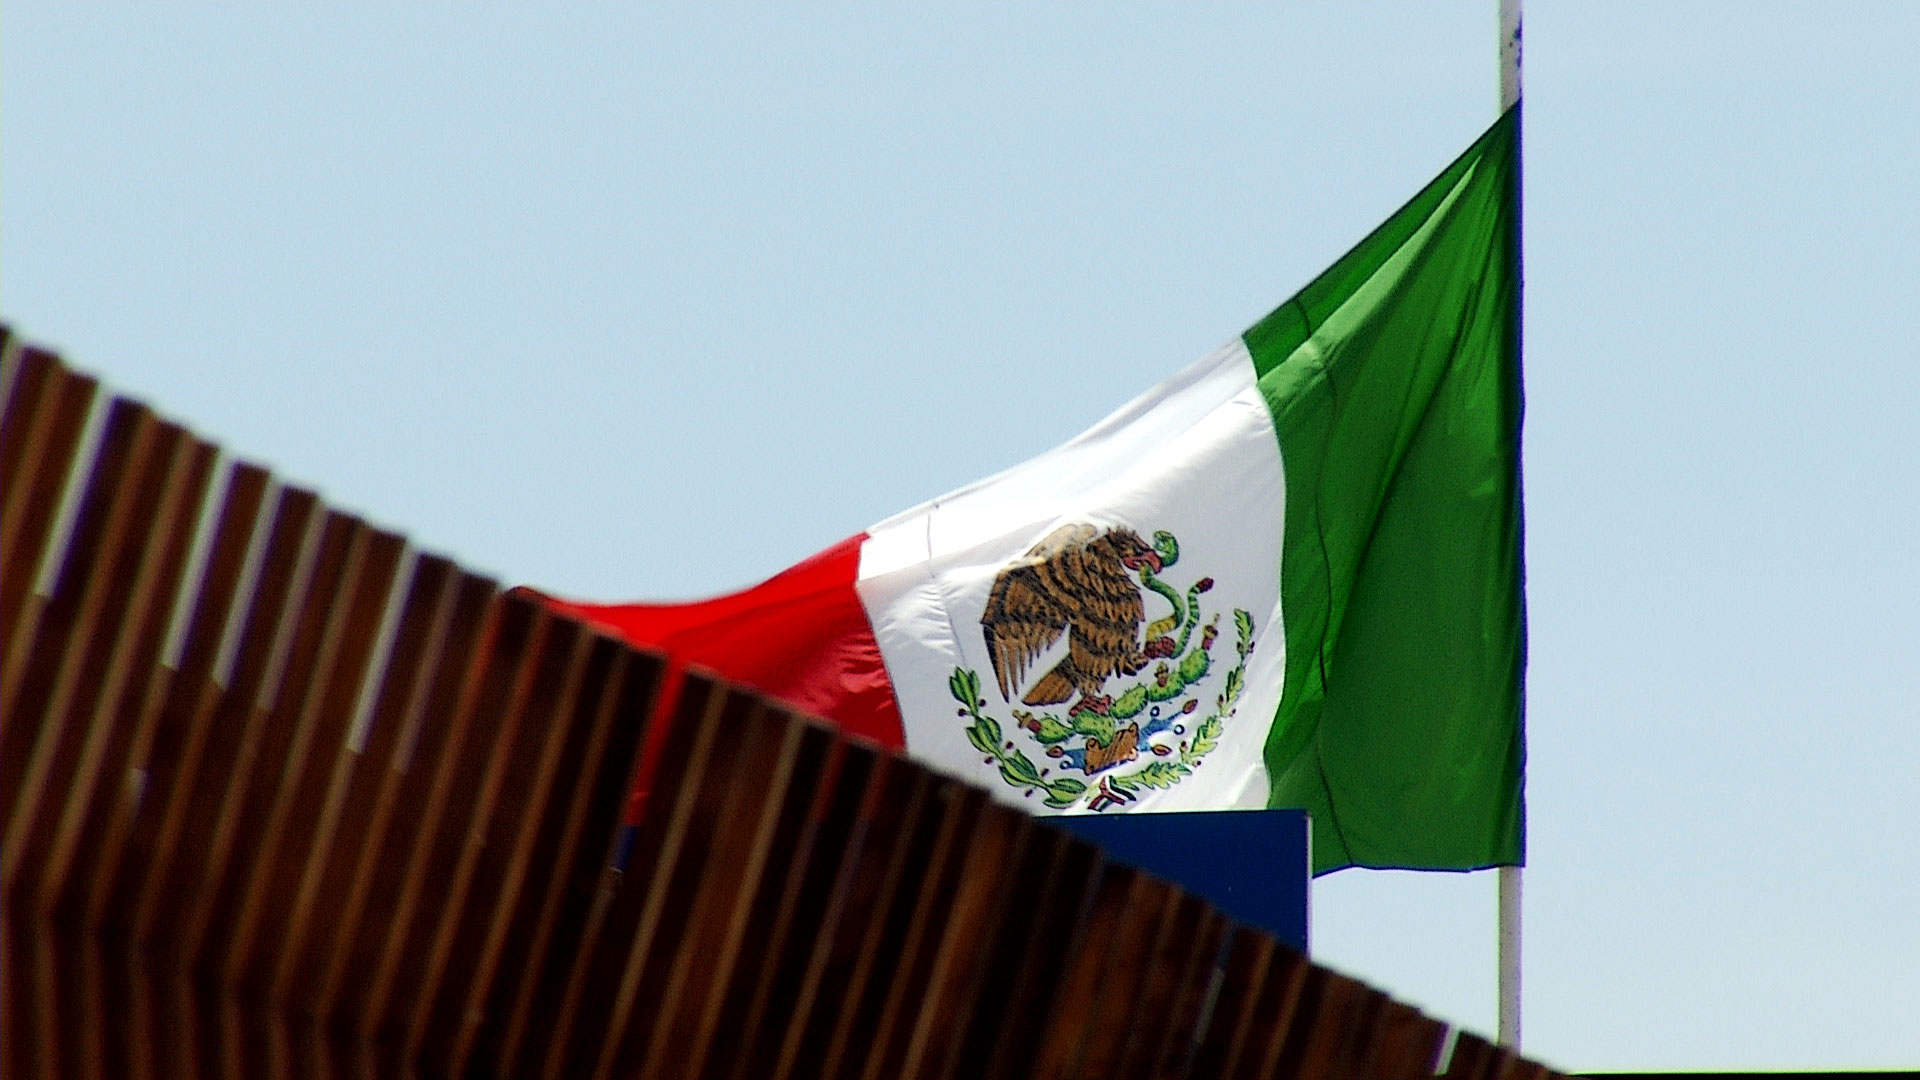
point(1097, 704)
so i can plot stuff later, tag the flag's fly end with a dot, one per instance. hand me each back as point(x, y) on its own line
point(1394, 383)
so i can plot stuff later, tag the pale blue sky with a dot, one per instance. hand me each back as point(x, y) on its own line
point(639, 305)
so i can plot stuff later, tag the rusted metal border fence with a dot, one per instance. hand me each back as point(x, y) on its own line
point(283, 796)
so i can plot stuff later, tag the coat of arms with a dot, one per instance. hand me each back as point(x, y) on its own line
point(1114, 712)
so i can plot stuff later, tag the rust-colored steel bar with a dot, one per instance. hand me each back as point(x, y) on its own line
point(1242, 974)
point(33, 472)
point(1084, 969)
point(595, 1000)
point(316, 753)
point(333, 889)
point(976, 835)
point(24, 377)
point(759, 1008)
point(912, 961)
point(886, 940)
point(373, 894)
point(1178, 944)
point(1193, 1002)
point(85, 723)
point(938, 1016)
point(1475, 1058)
point(1333, 1035)
point(739, 788)
point(262, 736)
point(88, 836)
point(1409, 1043)
point(1025, 974)
point(493, 863)
point(171, 731)
point(1110, 1020)
point(74, 631)
point(285, 747)
point(741, 888)
point(197, 826)
point(1276, 1014)
point(26, 999)
point(859, 833)
point(890, 821)
point(437, 868)
point(337, 827)
point(556, 924)
point(39, 438)
point(1030, 884)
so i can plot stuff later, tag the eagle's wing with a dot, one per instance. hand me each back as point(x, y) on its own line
point(1023, 618)
point(1026, 611)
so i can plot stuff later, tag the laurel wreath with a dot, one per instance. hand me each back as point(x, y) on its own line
point(1016, 768)
point(1061, 792)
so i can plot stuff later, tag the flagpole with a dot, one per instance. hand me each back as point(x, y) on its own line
point(1510, 875)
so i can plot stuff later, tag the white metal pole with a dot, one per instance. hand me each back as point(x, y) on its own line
point(1509, 53)
point(1510, 956)
point(1510, 875)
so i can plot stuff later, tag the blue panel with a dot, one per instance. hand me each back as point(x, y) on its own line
point(1251, 864)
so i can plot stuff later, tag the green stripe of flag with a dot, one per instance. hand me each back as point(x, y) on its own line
point(1394, 380)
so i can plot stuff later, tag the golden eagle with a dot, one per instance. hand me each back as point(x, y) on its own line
point(1075, 581)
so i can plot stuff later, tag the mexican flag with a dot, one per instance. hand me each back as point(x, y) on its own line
point(1288, 576)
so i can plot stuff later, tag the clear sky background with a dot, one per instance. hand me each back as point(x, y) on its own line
point(639, 305)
